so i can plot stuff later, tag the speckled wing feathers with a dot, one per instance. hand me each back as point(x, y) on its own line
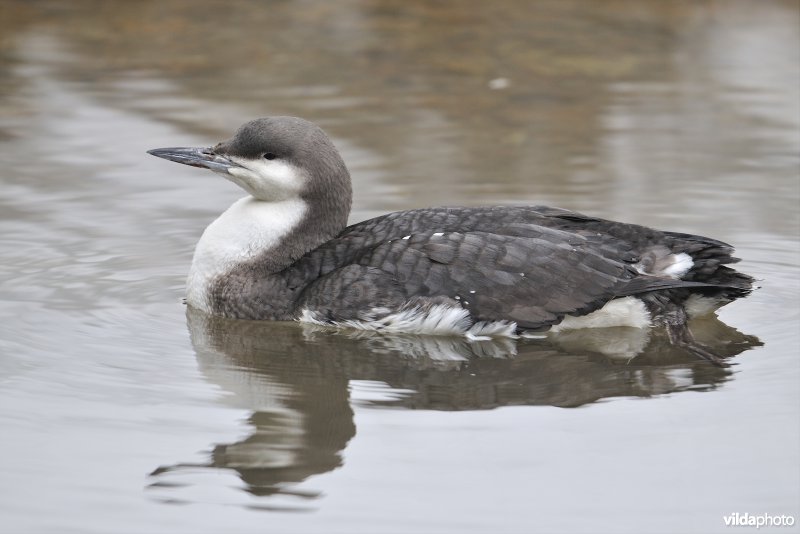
point(529, 265)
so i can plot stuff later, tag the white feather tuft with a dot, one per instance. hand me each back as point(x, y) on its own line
point(659, 261)
point(681, 263)
point(627, 311)
point(483, 330)
point(439, 319)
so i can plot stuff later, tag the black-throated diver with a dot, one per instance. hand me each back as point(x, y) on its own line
point(284, 253)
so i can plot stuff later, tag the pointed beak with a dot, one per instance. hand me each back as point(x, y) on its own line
point(204, 158)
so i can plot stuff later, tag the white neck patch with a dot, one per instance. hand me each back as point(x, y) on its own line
point(247, 229)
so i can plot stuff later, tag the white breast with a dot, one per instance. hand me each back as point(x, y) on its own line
point(246, 229)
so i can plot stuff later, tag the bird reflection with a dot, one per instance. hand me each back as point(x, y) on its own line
point(295, 379)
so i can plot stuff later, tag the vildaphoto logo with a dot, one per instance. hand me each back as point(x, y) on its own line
point(762, 520)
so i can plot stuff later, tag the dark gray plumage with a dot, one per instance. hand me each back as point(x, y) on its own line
point(530, 265)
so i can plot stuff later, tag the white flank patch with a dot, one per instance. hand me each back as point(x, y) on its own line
point(271, 180)
point(666, 264)
point(245, 230)
point(681, 263)
point(440, 320)
point(627, 311)
point(697, 306)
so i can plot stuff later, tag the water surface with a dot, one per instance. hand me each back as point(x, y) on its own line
point(123, 413)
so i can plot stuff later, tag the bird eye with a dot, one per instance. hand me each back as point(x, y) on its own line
point(270, 155)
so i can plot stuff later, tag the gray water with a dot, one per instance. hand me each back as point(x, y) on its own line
point(120, 412)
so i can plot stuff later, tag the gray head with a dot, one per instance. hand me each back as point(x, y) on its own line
point(279, 158)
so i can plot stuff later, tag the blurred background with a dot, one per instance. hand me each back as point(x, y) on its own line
point(117, 408)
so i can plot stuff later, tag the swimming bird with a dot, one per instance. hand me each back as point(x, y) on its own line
point(285, 252)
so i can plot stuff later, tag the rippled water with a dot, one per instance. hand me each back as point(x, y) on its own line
point(121, 413)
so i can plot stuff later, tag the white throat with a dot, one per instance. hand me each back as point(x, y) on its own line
point(247, 229)
point(270, 180)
